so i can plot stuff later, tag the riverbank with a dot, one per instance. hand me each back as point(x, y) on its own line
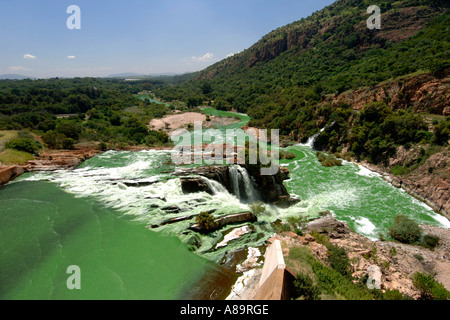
point(435, 195)
point(49, 160)
point(171, 123)
point(394, 262)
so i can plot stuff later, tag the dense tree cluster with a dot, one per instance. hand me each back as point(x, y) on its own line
point(65, 111)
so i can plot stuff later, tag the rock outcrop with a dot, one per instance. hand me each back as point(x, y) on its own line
point(226, 220)
point(270, 189)
point(397, 262)
point(9, 173)
point(193, 185)
point(60, 159)
point(425, 93)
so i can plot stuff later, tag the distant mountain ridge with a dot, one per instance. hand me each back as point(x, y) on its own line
point(14, 77)
point(137, 75)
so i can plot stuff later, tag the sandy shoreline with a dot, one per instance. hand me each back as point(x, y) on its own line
point(171, 123)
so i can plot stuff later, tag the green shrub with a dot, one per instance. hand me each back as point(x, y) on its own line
point(393, 295)
point(102, 146)
point(306, 288)
point(429, 288)
point(68, 143)
point(338, 260)
point(25, 134)
point(206, 221)
point(442, 132)
point(257, 208)
point(333, 282)
point(430, 241)
point(55, 140)
point(328, 160)
point(23, 144)
point(405, 230)
point(287, 155)
point(399, 170)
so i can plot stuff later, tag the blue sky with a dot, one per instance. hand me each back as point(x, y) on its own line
point(140, 36)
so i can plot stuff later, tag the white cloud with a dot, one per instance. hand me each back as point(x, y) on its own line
point(29, 56)
point(71, 57)
point(205, 58)
point(232, 54)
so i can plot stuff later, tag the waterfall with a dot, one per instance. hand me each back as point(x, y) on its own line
point(311, 140)
point(215, 186)
point(235, 178)
point(242, 184)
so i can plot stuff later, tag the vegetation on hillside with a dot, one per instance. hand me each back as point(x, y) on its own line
point(282, 81)
point(66, 111)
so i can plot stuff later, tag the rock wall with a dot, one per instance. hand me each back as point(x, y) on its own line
point(424, 93)
point(270, 188)
point(60, 159)
point(9, 173)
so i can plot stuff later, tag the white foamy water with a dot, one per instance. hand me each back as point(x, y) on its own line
point(366, 227)
point(363, 171)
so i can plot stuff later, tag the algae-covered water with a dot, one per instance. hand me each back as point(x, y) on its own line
point(108, 215)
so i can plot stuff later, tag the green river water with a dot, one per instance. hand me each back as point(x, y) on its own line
point(96, 216)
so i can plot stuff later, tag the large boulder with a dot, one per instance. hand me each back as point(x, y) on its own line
point(270, 188)
point(193, 185)
point(226, 220)
point(10, 173)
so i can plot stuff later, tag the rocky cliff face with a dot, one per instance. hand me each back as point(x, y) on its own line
point(400, 22)
point(424, 93)
point(269, 189)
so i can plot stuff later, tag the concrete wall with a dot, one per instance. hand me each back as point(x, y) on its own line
point(276, 281)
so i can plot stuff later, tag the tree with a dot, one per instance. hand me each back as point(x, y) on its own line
point(405, 230)
point(206, 221)
point(23, 144)
point(206, 88)
point(442, 132)
point(194, 102)
point(70, 129)
point(305, 287)
point(429, 288)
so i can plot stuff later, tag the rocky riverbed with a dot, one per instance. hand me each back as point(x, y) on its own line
point(395, 261)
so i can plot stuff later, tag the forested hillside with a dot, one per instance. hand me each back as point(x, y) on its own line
point(291, 78)
point(67, 111)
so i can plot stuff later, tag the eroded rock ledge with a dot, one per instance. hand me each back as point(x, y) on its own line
point(396, 261)
point(270, 188)
point(9, 173)
point(60, 159)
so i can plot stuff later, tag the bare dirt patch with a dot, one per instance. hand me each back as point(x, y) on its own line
point(171, 123)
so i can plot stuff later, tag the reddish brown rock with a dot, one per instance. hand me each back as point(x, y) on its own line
point(60, 159)
point(424, 93)
point(9, 173)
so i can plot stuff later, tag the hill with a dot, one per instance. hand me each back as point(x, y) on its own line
point(381, 96)
point(14, 77)
point(289, 80)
